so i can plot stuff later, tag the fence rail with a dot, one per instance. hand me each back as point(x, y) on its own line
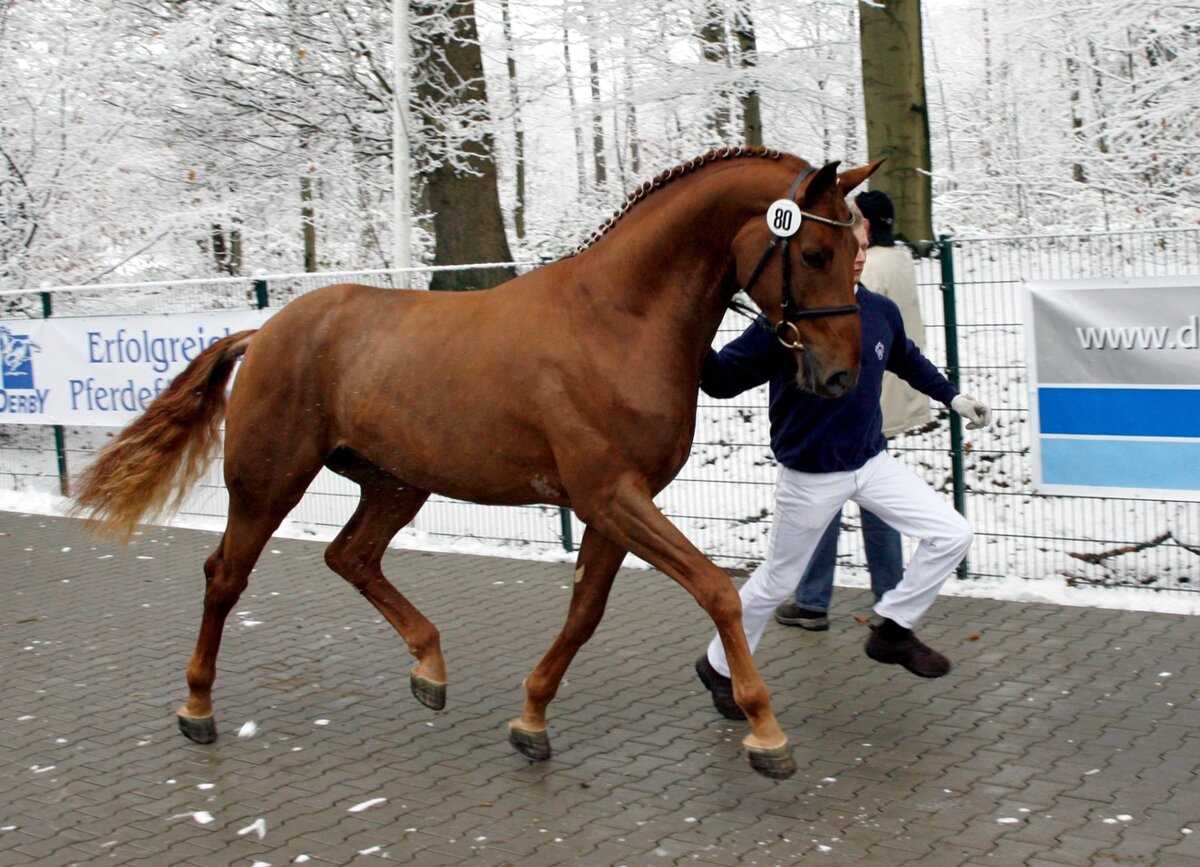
point(971, 295)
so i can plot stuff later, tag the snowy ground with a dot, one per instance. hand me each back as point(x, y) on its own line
point(1011, 589)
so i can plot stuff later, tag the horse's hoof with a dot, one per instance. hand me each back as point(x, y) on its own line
point(427, 692)
point(533, 745)
point(202, 730)
point(777, 764)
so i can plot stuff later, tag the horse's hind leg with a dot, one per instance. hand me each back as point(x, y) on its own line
point(357, 554)
point(226, 573)
point(595, 569)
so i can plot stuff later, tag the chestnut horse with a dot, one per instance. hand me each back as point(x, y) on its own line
point(573, 385)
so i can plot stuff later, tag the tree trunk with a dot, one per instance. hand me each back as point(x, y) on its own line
point(1077, 171)
point(1098, 99)
point(580, 169)
point(220, 249)
point(897, 116)
point(631, 127)
point(235, 248)
point(743, 30)
point(601, 175)
point(714, 47)
point(985, 140)
point(514, 94)
point(468, 225)
point(308, 226)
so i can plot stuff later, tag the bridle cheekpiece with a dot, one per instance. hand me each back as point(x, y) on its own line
point(784, 219)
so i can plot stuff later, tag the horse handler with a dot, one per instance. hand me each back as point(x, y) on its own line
point(832, 450)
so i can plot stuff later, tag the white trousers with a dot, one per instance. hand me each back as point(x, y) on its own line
point(804, 505)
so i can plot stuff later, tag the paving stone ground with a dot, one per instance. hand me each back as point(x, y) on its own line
point(1065, 736)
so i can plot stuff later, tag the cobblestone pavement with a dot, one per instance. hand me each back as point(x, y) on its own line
point(1063, 737)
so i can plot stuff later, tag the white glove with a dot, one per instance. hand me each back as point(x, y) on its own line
point(975, 411)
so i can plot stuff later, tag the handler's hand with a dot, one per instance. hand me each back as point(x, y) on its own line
point(975, 411)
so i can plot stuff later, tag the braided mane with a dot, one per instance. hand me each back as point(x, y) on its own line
point(669, 175)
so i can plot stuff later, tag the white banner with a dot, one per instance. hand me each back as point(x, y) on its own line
point(1114, 380)
point(102, 370)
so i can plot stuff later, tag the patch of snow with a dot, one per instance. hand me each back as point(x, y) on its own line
point(258, 827)
point(366, 805)
point(248, 730)
point(200, 817)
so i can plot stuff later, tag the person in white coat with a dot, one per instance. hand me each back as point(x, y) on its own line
point(887, 271)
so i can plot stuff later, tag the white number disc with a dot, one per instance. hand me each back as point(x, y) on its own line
point(783, 218)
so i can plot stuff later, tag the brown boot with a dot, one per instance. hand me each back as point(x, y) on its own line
point(721, 688)
point(892, 644)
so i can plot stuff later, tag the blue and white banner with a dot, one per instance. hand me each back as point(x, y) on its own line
point(102, 370)
point(1114, 378)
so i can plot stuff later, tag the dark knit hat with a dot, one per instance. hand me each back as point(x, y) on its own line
point(876, 207)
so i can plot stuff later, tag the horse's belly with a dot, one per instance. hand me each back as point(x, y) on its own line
point(492, 464)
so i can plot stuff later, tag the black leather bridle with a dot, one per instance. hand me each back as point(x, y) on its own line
point(793, 312)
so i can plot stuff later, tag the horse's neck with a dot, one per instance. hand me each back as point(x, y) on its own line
point(671, 264)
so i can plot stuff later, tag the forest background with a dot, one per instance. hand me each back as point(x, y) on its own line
point(154, 139)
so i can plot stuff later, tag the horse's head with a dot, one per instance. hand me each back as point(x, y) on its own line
point(809, 298)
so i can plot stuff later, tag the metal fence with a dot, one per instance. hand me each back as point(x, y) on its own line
point(975, 284)
point(971, 297)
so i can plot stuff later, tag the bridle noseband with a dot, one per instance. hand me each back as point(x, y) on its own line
point(792, 312)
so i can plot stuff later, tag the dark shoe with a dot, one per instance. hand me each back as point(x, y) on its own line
point(791, 614)
point(892, 644)
point(721, 689)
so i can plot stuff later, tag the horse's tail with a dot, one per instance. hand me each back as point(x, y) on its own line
point(149, 468)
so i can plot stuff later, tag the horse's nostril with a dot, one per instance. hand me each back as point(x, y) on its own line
point(839, 383)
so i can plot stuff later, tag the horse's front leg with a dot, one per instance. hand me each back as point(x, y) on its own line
point(595, 569)
point(625, 512)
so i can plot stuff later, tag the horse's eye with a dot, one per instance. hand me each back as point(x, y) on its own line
point(813, 259)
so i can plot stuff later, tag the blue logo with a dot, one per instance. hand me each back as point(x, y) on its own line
point(16, 359)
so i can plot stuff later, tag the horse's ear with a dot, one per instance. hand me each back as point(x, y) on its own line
point(820, 183)
point(851, 178)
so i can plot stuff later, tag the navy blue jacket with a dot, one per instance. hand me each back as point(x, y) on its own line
point(816, 434)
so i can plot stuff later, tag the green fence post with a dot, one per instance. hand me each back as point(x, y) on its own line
point(60, 439)
point(564, 517)
point(261, 294)
point(950, 315)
